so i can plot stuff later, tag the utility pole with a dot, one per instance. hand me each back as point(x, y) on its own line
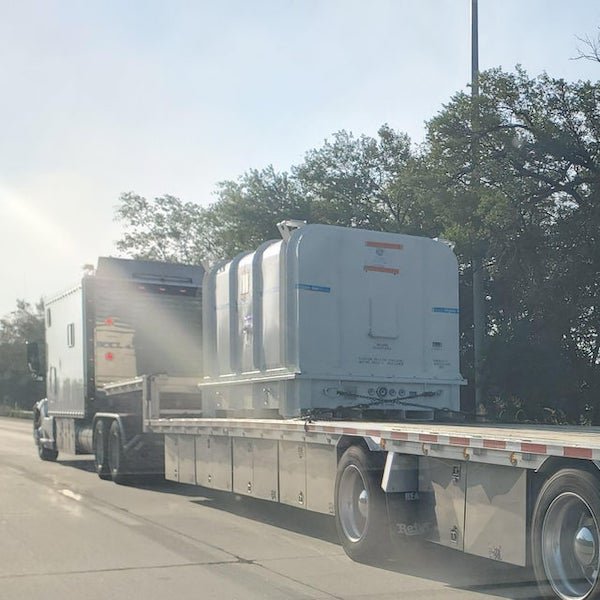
point(476, 261)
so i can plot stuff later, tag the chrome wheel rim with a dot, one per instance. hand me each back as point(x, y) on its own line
point(353, 503)
point(99, 449)
point(114, 451)
point(570, 547)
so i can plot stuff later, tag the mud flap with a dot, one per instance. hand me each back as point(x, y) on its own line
point(145, 454)
point(407, 517)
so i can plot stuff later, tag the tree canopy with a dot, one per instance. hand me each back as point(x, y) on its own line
point(530, 206)
point(535, 209)
point(17, 387)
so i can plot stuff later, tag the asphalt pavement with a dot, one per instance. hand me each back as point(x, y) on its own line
point(67, 535)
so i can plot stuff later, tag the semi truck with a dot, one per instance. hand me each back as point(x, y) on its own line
point(320, 371)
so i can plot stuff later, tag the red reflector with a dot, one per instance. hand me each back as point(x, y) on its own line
point(533, 448)
point(378, 269)
point(109, 356)
point(109, 321)
point(578, 452)
point(386, 245)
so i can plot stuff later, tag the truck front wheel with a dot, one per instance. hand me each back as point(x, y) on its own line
point(566, 536)
point(360, 514)
point(116, 455)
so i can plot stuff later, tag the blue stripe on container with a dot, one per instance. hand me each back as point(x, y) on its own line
point(313, 288)
point(445, 309)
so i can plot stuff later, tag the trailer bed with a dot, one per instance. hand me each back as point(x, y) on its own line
point(524, 445)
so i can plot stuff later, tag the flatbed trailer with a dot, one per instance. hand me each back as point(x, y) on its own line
point(522, 494)
point(322, 374)
point(516, 445)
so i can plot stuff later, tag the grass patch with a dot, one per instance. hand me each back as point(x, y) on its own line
point(14, 412)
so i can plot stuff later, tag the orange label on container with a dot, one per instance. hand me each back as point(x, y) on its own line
point(379, 269)
point(387, 245)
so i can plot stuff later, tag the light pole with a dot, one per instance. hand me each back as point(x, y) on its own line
point(476, 260)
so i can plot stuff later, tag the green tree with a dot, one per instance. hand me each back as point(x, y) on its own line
point(535, 208)
point(364, 182)
point(247, 210)
point(164, 229)
point(17, 387)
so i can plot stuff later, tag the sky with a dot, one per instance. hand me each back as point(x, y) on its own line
point(100, 97)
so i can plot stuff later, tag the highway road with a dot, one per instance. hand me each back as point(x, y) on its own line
point(65, 534)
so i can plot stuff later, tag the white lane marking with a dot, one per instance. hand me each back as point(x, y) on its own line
point(72, 495)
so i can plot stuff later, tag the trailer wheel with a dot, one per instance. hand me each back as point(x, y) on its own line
point(101, 450)
point(47, 453)
point(566, 536)
point(360, 515)
point(116, 455)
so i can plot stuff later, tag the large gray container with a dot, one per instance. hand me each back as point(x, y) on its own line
point(332, 316)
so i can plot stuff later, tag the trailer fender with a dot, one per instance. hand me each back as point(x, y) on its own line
point(133, 444)
point(369, 443)
point(552, 464)
point(373, 443)
point(109, 417)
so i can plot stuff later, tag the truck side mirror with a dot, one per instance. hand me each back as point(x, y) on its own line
point(33, 360)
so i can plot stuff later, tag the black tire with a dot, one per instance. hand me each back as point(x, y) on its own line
point(360, 510)
point(116, 456)
point(565, 536)
point(101, 450)
point(47, 453)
